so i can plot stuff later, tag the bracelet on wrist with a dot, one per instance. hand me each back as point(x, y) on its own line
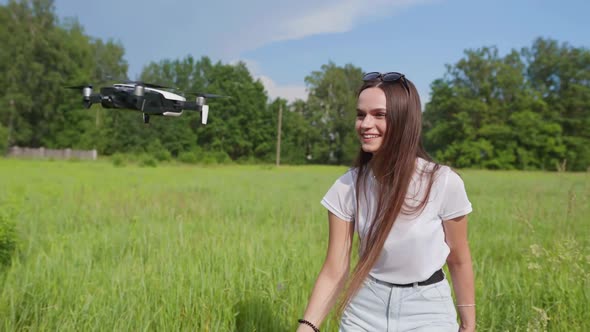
point(465, 305)
point(308, 323)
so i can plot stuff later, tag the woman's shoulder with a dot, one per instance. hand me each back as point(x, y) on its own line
point(349, 177)
point(445, 176)
point(430, 168)
point(441, 174)
point(344, 186)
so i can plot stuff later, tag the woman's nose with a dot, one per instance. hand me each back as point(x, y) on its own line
point(367, 121)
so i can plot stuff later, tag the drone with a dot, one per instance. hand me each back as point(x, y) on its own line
point(147, 98)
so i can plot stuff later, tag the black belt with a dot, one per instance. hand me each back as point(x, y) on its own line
point(434, 278)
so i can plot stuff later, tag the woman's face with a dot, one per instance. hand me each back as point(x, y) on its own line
point(370, 119)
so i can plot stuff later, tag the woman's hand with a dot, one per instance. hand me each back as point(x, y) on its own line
point(467, 329)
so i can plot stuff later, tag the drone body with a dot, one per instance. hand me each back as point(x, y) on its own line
point(146, 98)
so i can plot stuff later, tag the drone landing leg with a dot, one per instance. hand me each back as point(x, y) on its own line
point(146, 118)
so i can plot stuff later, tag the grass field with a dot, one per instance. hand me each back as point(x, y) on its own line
point(237, 248)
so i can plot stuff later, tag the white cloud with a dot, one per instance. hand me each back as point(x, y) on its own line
point(291, 92)
point(303, 19)
point(330, 19)
point(222, 29)
point(308, 19)
point(339, 16)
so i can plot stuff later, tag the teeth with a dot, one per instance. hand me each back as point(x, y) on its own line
point(370, 136)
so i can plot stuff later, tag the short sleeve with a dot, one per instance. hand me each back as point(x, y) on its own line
point(454, 197)
point(340, 199)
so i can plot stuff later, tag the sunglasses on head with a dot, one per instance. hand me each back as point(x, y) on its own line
point(389, 77)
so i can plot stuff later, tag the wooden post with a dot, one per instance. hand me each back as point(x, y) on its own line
point(10, 123)
point(279, 134)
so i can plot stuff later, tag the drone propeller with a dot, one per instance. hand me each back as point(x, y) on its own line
point(78, 87)
point(89, 98)
point(86, 90)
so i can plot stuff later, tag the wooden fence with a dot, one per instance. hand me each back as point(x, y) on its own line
point(19, 152)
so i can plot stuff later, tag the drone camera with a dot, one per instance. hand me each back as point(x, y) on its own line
point(200, 101)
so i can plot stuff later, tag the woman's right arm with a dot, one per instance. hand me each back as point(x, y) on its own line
point(333, 274)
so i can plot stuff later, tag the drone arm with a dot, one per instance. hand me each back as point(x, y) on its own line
point(95, 98)
point(92, 99)
point(191, 105)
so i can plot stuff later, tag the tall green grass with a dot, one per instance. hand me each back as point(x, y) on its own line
point(237, 248)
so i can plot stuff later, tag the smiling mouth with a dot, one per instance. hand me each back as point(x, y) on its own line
point(369, 136)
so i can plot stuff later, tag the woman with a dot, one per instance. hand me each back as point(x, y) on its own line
point(411, 217)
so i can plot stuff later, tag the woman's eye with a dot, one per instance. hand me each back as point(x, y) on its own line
point(380, 115)
point(360, 115)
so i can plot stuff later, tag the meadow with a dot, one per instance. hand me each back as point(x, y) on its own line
point(237, 248)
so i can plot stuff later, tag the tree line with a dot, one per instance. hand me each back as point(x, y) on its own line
point(528, 109)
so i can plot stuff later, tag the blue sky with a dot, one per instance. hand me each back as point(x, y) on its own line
point(284, 41)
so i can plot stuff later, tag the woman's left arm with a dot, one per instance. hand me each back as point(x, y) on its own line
point(461, 269)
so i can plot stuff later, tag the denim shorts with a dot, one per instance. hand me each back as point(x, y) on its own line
point(378, 307)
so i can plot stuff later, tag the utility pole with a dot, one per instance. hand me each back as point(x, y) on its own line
point(279, 134)
point(10, 124)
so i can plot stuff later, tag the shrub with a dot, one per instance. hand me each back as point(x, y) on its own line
point(208, 159)
point(147, 160)
point(3, 140)
point(247, 160)
point(8, 240)
point(118, 160)
point(162, 155)
point(221, 157)
point(156, 149)
point(190, 157)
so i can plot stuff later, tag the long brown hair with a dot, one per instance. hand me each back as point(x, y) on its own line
point(393, 166)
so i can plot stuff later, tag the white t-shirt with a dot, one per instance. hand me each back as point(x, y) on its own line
point(415, 247)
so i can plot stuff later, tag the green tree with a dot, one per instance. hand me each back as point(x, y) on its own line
point(39, 57)
point(490, 111)
point(294, 130)
point(561, 75)
point(243, 128)
point(3, 140)
point(331, 110)
point(238, 126)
